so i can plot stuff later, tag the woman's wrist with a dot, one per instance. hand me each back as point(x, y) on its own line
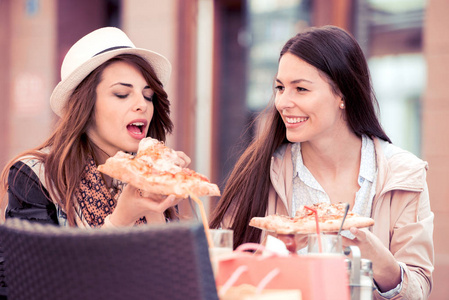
point(107, 222)
point(155, 217)
point(113, 222)
point(388, 278)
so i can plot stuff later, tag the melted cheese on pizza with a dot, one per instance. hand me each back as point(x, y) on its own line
point(156, 155)
point(325, 211)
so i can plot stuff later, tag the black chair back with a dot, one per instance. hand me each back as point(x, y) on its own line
point(147, 262)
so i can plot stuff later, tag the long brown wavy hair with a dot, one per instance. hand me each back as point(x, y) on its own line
point(69, 144)
point(337, 55)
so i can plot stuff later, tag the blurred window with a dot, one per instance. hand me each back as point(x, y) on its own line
point(399, 83)
point(390, 32)
point(270, 24)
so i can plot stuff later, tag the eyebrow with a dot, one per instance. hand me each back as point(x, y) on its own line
point(296, 81)
point(121, 83)
point(128, 85)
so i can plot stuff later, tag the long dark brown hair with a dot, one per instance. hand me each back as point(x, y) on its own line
point(337, 55)
point(69, 145)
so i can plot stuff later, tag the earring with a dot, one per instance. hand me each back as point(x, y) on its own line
point(342, 105)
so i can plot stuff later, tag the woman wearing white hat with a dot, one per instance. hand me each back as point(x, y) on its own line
point(111, 96)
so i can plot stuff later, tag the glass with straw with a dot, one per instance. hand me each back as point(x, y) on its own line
point(319, 243)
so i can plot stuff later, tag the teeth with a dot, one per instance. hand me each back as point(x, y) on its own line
point(296, 120)
point(137, 124)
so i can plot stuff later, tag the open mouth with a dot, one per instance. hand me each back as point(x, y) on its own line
point(136, 127)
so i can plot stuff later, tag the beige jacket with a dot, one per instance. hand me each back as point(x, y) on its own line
point(401, 210)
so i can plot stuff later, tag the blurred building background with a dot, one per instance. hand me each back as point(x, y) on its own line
point(224, 55)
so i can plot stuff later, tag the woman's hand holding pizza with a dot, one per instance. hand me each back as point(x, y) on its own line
point(386, 270)
point(134, 203)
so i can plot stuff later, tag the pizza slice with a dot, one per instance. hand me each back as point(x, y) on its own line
point(330, 216)
point(274, 223)
point(153, 170)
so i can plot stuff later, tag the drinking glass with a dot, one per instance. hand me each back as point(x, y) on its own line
point(330, 244)
point(222, 240)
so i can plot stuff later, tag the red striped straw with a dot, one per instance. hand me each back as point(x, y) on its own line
point(320, 247)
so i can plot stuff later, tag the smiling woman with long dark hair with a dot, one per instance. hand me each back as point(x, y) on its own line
point(323, 142)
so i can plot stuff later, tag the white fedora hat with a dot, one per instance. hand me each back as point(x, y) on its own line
point(90, 52)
